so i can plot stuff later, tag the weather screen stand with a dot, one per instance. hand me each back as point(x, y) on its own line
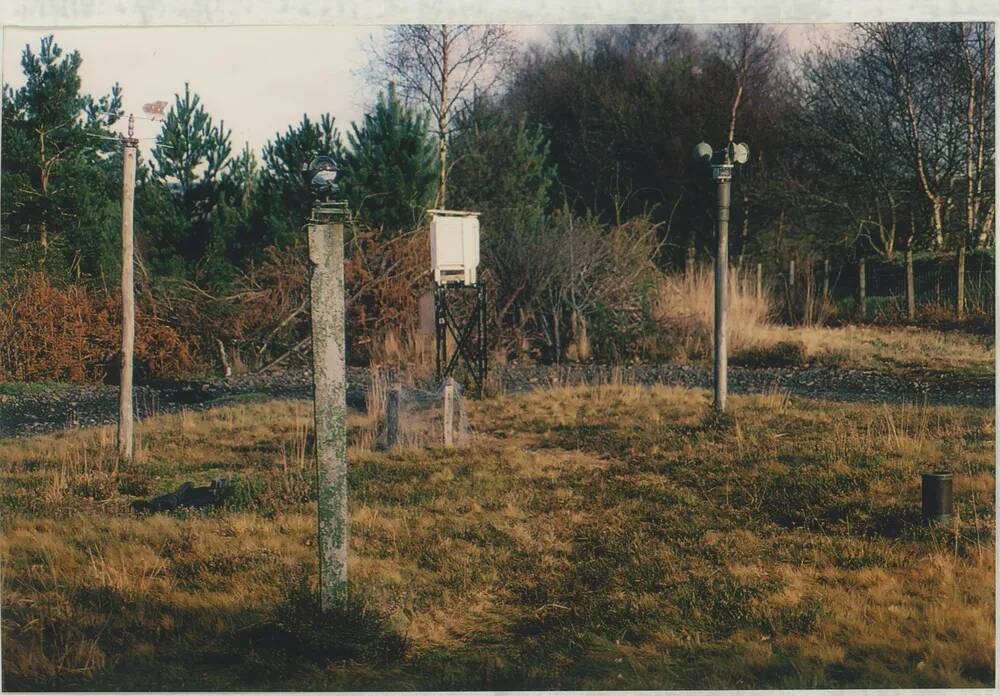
point(467, 328)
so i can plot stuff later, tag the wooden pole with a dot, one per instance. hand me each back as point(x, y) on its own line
point(807, 312)
point(125, 424)
point(791, 290)
point(760, 280)
point(911, 300)
point(721, 278)
point(392, 415)
point(448, 416)
point(960, 302)
point(326, 286)
point(826, 279)
point(861, 288)
point(689, 266)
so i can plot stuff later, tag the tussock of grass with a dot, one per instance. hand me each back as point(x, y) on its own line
point(610, 537)
point(686, 307)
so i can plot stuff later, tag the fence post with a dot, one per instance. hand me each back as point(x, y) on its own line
point(790, 294)
point(449, 411)
point(392, 415)
point(326, 287)
point(961, 282)
point(807, 312)
point(826, 279)
point(911, 300)
point(760, 280)
point(861, 288)
point(689, 266)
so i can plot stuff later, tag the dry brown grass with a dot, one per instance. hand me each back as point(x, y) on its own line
point(607, 537)
point(884, 347)
point(687, 309)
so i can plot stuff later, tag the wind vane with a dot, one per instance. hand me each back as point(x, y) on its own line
point(154, 109)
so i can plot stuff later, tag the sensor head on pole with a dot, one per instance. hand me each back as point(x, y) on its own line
point(739, 153)
point(321, 172)
point(702, 152)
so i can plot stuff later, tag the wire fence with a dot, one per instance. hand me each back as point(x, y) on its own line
point(935, 282)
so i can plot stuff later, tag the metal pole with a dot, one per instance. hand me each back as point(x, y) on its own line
point(721, 277)
point(125, 425)
point(481, 298)
point(326, 285)
point(440, 329)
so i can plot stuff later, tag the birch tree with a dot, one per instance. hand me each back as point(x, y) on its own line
point(976, 42)
point(439, 67)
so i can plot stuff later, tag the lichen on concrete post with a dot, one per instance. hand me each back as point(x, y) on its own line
point(326, 286)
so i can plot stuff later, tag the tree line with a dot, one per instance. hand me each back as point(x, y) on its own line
point(576, 151)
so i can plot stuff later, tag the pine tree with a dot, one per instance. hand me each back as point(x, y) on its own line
point(283, 200)
point(192, 162)
point(59, 159)
point(389, 171)
point(500, 168)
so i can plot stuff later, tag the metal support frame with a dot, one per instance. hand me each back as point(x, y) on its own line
point(469, 333)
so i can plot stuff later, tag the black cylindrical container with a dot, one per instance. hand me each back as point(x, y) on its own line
point(936, 490)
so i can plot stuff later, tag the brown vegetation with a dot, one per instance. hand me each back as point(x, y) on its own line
point(73, 333)
point(601, 538)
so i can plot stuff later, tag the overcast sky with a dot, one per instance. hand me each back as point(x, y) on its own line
point(258, 80)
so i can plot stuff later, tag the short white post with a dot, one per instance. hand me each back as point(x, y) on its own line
point(449, 411)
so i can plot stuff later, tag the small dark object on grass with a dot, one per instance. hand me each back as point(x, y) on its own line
point(936, 497)
point(186, 495)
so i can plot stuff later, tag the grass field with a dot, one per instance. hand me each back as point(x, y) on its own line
point(611, 537)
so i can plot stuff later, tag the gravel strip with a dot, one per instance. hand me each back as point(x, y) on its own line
point(46, 408)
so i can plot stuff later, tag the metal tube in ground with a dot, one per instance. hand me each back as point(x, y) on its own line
point(936, 492)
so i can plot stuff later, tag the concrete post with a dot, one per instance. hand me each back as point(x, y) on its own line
point(326, 286)
point(721, 278)
point(125, 424)
point(448, 415)
point(392, 415)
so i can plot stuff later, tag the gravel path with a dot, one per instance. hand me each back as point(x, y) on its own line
point(36, 408)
